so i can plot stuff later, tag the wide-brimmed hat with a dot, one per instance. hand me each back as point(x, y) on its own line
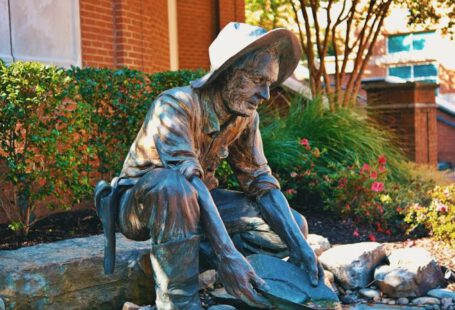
point(238, 39)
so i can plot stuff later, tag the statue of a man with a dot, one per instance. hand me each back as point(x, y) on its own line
point(167, 188)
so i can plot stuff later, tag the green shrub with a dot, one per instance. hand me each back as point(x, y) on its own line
point(62, 131)
point(439, 217)
point(38, 142)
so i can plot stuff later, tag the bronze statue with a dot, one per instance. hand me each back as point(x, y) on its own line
point(167, 191)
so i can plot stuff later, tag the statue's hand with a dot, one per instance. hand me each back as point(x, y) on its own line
point(239, 279)
point(302, 255)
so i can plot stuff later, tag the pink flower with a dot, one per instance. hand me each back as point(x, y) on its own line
point(305, 143)
point(372, 237)
point(291, 191)
point(377, 186)
point(356, 233)
point(382, 160)
point(293, 174)
point(440, 207)
point(365, 168)
point(373, 175)
point(382, 169)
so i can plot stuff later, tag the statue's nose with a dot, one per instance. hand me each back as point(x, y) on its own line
point(264, 92)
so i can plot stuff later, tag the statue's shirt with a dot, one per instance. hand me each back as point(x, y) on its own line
point(181, 131)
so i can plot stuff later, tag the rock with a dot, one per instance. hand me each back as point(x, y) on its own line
point(441, 293)
point(222, 297)
point(426, 301)
point(329, 280)
point(353, 264)
point(392, 302)
point(370, 293)
point(130, 306)
point(222, 307)
point(411, 273)
point(63, 274)
point(289, 284)
point(349, 299)
point(447, 303)
point(318, 243)
point(207, 279)
point(402, 301)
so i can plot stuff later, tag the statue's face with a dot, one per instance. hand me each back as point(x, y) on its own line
point(247, 86)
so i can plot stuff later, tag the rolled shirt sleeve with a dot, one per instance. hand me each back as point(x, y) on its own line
point(248, 161)
point(171, 127)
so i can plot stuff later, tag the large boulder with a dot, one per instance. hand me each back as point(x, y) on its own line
point(353, 264)
point(69, 275)
point(412, 272)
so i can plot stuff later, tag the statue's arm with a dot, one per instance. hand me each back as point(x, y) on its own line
point(250, 165)
point(236, 273)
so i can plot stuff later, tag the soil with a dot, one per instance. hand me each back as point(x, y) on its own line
point(84, 223)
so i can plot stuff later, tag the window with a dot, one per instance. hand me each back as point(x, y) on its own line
point(420, 72)
point(409, 42)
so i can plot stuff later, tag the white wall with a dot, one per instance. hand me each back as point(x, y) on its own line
point(41, 30)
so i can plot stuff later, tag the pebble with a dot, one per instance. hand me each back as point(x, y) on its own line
point(441, 293)
point(222, 307)
point(349, 299)
point(403, 301)
point(370, 293)
point(385, 300)
point(392, 302)
point(426, 301)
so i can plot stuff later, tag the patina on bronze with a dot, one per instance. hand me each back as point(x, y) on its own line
point(167, 192)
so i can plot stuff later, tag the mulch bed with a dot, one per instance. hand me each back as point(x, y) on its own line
point(85, 223)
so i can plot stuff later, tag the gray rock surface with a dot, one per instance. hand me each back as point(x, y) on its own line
point(318, 243)
point(222, 307)
point(353, 264)
point(411, 273)
point(426, 301)
point(441, 293)
point(69, 275)
point(402, 301)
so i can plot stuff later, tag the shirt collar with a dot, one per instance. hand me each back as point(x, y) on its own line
point(211, 121)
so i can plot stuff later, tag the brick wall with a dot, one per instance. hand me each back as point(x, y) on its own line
point(134, 33)
point(410, 111)
point(197, 24)
point(97, 33)
point(131, 33)
point(446, 137)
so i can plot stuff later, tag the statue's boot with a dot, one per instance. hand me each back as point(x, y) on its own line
point(176, 268)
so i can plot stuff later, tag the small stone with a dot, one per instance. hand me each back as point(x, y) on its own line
point(441, 293)
point(403, 301)
point(318, 243)
point(130, 306)
point(349, 299)
point(222, 307)
point(426, 301)
point(370, 293)
point(207, 279)
point(392, 302)
point(385, 300)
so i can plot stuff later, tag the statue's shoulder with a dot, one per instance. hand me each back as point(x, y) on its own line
point(181, 97)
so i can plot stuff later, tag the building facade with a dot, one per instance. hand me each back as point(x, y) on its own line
point(148, 35)
point(413, 54)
